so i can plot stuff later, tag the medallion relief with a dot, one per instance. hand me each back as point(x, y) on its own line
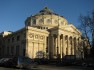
point(31, 35)
point(37, 36)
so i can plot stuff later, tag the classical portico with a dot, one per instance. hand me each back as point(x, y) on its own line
point(64, 43)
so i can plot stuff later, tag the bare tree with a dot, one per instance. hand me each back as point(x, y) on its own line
point(87, 28)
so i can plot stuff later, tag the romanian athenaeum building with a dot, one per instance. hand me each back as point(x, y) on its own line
point(45, 35)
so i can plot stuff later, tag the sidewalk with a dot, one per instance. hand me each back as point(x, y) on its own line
point(48, 67)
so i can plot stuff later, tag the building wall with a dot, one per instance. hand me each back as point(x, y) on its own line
point(45, 35)
point(14, 43)
point(36, 42)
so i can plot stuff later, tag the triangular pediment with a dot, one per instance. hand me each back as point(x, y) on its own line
point(72, 28)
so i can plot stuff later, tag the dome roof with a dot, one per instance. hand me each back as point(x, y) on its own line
point(46, 18)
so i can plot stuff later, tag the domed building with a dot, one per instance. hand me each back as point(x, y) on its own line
point(45, 35)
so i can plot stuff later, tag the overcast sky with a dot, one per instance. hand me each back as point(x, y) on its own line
point(13, 13)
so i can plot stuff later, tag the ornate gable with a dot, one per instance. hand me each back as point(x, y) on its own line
point(72, 28)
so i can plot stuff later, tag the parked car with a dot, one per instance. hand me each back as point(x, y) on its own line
point(19, 62)
point(4, 61)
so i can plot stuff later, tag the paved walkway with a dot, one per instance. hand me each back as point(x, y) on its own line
point(46, 67)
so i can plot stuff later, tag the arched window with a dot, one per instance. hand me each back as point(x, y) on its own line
point(56, 21)
point(48, 20)
point(34, 21)
point(41, 21)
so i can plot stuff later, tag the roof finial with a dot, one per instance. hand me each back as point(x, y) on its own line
point(46, 7)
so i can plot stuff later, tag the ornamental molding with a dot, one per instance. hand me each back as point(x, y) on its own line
point(36, 36)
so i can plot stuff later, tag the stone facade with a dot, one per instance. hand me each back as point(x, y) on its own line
point(45, 35)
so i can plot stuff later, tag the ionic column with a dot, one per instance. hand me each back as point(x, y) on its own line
point(72, 47)
point(77, 50)
point(58, 44)
point(45, 44)
point(51, 48)
point(82, 53)
point(47, 48)
point(60, 48)
point(43, 50)
point(38, 50)
point(53, 45)
point(80, 48)
point(68, 46)
point(76, 47)
point(33, 50)
point(77, 44)
point(63, 45)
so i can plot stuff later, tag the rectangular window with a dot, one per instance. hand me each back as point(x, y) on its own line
point(8, 40)
point(7, 50)
point(24, 50)
point(18, 38)
point(17, 50)
point(12, 39)
point(12, 50)
point(24, 34)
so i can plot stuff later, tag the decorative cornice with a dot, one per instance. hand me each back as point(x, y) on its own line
point(37, 30)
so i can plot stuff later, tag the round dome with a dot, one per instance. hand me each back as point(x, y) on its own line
point(46, 18)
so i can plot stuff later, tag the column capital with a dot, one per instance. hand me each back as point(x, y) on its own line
point(58, 34)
